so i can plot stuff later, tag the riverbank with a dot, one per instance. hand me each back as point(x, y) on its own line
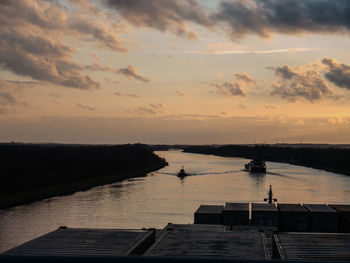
point(10, 200)
point(42, 176)
point(331, 159)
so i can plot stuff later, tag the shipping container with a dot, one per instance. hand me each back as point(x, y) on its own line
point(87, 242)
point(208, 214)
point(215, 244)
point(322, 218)
point(264, 214)
point(293, 218)
point(236, 214)
point(344, 217)
point(312, 246)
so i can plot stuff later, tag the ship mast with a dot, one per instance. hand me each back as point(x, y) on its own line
point(270, 198)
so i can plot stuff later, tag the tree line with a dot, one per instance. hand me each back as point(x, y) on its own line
point(336, 159)
point(26, 167)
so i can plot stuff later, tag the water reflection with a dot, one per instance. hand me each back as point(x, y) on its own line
point(258, 179)
point(162, 197)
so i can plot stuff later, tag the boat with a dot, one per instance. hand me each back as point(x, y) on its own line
point(182, 173)
point(256, 166)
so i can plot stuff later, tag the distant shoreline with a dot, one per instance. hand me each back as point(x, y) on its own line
point(331, 159)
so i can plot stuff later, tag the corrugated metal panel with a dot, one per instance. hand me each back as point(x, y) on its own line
point(236, 214)
point(291, 208)
point(237, 207)
point(92, 242)
point(344, 217)
point(264, 214)
point(209, 209)
point(322, 218)
point(265, 207)
point(319, 208)
point(268, 231)
point(293, 218)
point(194, 227)
point(312, 246)
point(220, 244)
point(341, 208)
point(208, 214)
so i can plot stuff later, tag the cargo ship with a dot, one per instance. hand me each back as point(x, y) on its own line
point(256, 166)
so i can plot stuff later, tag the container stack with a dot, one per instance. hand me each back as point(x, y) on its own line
point(208, 214)
point(264, 214)
point(236, 214)
point(344, 217)
point(322, 218)
point(293, 218)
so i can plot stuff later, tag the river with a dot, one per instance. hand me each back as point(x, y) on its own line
point(161, 197)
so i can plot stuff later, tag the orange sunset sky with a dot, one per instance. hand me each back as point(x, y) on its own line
point(175, 71)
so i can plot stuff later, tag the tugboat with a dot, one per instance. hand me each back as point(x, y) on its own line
point(182, 173)
point(256, 166)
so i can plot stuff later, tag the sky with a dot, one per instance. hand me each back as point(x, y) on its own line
point(175, 71)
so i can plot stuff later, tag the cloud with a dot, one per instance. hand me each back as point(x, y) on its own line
point(97, 67)
point(42, 59)
point(264, 17)
point(85, 107)
point(228, 89)
point(245, 78)
point(7, 99)
point(180, 93)
point(86, 6)
point(12, 85)
point(233, 50)
point(32, 35)
point(131, 73)
point(300, 83)
point(285, 72)
point(339, 120)
point(9, 90)
point(104, 35)
point(163, 15)
point(8, 102)
point(337, 73)
point(150, 109)
point(127, 95)
point(236, 88)
point(270, 106)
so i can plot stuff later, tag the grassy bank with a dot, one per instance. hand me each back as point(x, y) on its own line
point(34, 172)
point(332, 159)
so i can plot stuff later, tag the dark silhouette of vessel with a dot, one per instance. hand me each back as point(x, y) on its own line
point(256, 166)
point(182, 173)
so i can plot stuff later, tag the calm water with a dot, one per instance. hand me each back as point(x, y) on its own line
point(162, 197)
